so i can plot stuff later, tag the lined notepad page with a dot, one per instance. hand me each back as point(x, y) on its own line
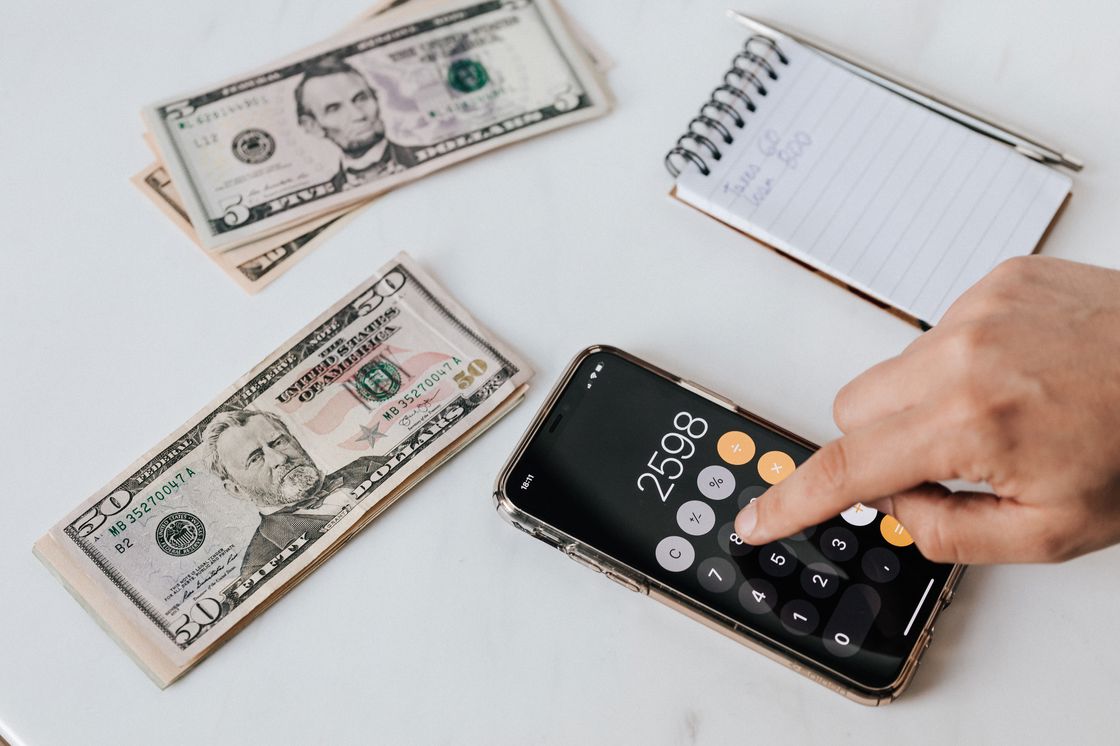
point(891, 198)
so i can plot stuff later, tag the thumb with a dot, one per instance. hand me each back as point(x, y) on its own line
point(969, 527)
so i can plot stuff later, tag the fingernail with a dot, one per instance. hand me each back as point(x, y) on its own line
point(745, 521)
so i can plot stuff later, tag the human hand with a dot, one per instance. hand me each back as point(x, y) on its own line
point(1018, 387)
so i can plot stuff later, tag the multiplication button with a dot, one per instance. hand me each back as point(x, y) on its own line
point(675, 554)
point(716, 574)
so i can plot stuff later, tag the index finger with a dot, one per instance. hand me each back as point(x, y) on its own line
point(890, 455)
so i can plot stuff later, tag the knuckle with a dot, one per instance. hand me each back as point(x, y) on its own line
point(968, 341)
point(832, 467)
point(935, 541)
point(843, 407)
point(1014, 270)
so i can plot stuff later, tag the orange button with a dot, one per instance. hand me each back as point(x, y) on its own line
point(894, 533)
point(774, 466)
point(735, 448)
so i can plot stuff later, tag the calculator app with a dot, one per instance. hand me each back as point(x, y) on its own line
point(653, 475)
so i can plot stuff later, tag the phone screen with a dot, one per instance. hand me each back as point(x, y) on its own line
point(652, 475)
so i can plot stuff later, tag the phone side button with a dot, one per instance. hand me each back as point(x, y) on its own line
point(625, 582)
point(547, 537)
point(704, 390)
point(587, 562)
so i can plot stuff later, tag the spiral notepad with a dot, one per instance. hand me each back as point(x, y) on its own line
point(898, 202)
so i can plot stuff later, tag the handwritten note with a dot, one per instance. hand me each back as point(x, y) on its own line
point(889, 197)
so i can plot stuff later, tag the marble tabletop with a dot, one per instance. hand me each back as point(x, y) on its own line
point(439, 624)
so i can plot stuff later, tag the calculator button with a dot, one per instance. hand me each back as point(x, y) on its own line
point(716, 574)
point(820, 579)
point(894, 533)
point(839, 544)
point(850, 623)
point(800, 617)
point(735, 448)
point(774, 466)
point(674, 553)
point(776, 560)
point(730, 542)
point(715, 482)
point(859, 515)
point(750, 493)
point(881, 565)
point(696, 517)
point(758, 596)
point(804, 534)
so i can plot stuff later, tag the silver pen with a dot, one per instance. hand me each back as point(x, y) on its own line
point(1028, 146)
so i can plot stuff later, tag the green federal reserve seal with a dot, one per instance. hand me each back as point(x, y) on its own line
point(378, 381)
point(180, 534)
point(467, 76)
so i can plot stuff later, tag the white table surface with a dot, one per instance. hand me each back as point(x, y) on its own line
point(439, 623)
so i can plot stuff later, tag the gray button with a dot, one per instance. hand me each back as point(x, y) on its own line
point(800, 617)
point(750, 493)
point(696, 517)
point(675, 554)
point(758, 596)
point(839, 544)
point(881, 565)
point(730, 542)
point(820, 579)
point(851, 621)
point(716, 574)
point(715, 482)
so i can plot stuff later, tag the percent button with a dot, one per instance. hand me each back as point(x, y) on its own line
point(715, 482)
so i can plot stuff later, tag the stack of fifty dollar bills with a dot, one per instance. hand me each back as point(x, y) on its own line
point(262, 168)
point(188, 544)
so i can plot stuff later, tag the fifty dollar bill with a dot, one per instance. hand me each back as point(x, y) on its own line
point(395, 98)
point(185, 546)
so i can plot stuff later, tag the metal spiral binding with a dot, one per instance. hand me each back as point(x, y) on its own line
point(740, 83)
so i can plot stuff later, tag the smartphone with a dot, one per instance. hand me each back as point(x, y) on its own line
point(638, 474)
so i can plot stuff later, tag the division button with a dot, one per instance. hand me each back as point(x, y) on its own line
point(800, 617)
point(894, 533)
point(881, 565)
point(758, 596)
point(774, 466)
point(847, 629)
point(839, 544)
point(735, 448)
point(859, 515)
point(731, 542)
point(716, 574)
point(715, 482)
point(696, 517)
point(675, 554)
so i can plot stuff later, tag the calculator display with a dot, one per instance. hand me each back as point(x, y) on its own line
point(652, 475)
